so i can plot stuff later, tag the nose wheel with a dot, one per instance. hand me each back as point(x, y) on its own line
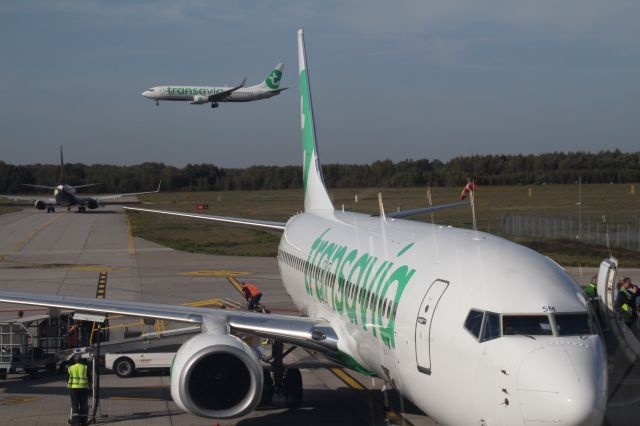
point(214, 105)
point(157, 103)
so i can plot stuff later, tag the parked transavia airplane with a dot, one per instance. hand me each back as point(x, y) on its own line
point(472, 328)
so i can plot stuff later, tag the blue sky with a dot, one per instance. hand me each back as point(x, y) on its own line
point(409, 79)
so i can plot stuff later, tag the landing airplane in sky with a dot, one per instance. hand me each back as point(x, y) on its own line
point(198, 95)
point(472, 328)
point(65, 195)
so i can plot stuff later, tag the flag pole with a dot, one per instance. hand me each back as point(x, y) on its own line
point(430, 202)
point(472, 197)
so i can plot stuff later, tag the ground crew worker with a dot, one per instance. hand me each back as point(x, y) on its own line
point(79, 390)
point(591, 289)
point(73, 336)
point(252, 294)
point(626, 302)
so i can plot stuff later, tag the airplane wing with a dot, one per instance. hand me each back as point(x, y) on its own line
point(313, 334)
point(413, 212)
point(225, 94)
point(86, 186)
point(114, 196)
point(263, 224)
point(38, 186)
point(29, 199)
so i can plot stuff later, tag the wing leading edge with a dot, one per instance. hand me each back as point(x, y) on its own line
point(313, 334)
point(224, 95)
point(113, 196)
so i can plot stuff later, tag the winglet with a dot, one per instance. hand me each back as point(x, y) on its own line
point(315, 193)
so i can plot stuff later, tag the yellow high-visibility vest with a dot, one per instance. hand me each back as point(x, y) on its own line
point(78, 376)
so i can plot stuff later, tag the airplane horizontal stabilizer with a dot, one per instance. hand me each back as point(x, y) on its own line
point(413, 212)
point(254, 223)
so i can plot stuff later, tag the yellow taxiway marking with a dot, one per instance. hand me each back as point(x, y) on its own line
point(198, 303)
point(132, 247)
point(345, 377)
point(20, 245)
point(15, 400)
point(97, 268)
point(214, 273)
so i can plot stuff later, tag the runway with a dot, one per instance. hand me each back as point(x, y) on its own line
point(64, 253)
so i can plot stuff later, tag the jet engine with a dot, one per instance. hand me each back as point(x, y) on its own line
point(198, 100)
point(41, 205)
point(216, 376)
point(93, 204)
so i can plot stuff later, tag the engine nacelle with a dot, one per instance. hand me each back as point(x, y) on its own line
point(216, 376)
point(41, 205)
point(198, 100)
point(93, 204)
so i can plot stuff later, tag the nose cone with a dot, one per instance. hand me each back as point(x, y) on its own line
point(565, 383)
point(146, 94)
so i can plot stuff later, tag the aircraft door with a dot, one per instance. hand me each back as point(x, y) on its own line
point(423, 324)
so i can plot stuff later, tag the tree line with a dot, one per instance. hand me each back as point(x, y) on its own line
point(558, 167)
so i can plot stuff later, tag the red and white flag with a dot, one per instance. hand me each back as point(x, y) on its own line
point(468, 189)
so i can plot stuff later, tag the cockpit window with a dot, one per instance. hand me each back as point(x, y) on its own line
point(532, 325)
point(491, 328)
point(473, 322)
point(573, 324)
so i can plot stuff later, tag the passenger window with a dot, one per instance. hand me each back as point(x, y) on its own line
point(491, 329)
point(473, 322)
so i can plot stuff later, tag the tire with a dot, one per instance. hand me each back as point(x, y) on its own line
point(267, 388)
point(293, 387)
point(124, 367)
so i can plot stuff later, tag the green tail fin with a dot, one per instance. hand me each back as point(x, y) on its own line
point(315, 193)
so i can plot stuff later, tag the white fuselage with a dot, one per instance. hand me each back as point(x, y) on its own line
point(199, 94)
point(398, 294)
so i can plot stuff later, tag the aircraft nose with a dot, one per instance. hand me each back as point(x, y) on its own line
point(564, 383)
point(145, 93)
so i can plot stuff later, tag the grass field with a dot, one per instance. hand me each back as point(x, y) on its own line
point(614, 201)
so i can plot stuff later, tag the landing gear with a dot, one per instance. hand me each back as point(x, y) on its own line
point(286, 383)
point(293, 387)
point(82, 209)
point(157, 103)
point(214, 105)
point(51, 209)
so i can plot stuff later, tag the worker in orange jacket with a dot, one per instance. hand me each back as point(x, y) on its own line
point(252, 293)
